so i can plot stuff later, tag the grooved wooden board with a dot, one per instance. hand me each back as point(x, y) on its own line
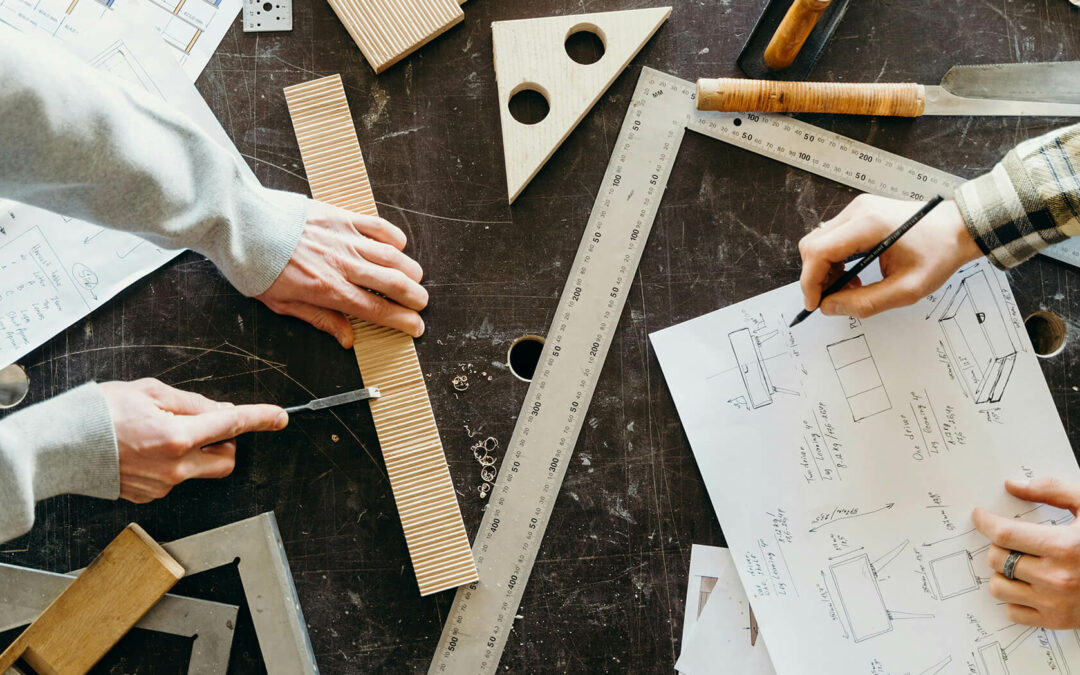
point(387, 31)
point(98, 608)
point(415, 462)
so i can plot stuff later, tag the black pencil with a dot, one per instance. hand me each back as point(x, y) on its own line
point(870, 257)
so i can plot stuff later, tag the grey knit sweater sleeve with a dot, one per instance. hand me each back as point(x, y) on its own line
point(82, 144)
point(63, 446)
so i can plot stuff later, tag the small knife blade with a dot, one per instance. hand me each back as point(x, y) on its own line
point(753, 628)
point(337, 399)
point(1050, 82)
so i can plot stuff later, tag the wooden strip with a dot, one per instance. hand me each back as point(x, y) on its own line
point(387, 31)
point(415, 462)
point(98, 608)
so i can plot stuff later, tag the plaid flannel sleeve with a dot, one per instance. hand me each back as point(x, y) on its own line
point(1029, 201)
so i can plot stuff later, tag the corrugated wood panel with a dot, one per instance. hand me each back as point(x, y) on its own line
point(415, 462)
point(387, 31)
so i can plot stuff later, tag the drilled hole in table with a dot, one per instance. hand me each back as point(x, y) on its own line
point(1047, 332)
point(529, 105)
point(524, 355)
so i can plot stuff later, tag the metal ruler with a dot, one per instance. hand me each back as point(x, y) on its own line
point(661, 110)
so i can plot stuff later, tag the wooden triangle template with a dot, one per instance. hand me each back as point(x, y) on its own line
point(531, 54)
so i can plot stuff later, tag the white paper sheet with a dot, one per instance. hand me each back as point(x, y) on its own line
point(716, 630)
point(192, 29)
point(56, 270)
point(844, 458)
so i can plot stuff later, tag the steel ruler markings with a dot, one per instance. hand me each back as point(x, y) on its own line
point(576, 346)
point(547, 429)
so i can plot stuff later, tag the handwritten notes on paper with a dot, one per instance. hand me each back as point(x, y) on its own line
point(54, 270)
point(844, 458)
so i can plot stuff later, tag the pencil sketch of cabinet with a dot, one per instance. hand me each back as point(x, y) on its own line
point(978, 339)
point(759, 382)
point(859, 377)
point(955, 573)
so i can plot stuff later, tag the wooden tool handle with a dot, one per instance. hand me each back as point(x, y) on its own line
point(735, 95)
point(792, 32)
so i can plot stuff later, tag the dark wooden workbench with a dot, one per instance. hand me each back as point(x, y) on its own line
point(607, 592)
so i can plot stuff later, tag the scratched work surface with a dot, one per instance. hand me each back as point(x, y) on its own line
point(608, 589)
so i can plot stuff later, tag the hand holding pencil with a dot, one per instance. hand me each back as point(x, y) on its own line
point(916, 264)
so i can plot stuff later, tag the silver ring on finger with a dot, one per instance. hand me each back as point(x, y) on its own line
point(1010, 565)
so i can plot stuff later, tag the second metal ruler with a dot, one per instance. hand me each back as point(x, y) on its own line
point(523, 498)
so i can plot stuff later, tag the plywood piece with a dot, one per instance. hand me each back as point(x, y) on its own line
point(98, 608)
point(415, 462)
point(531, 54)
point(387, 31)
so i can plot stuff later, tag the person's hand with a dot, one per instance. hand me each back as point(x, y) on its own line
point(166, 436)
point(1045, 591)
point(916, 265)
point(341, 258)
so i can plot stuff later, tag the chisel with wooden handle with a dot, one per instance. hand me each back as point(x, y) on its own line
point(792, 32)
point(1013, 90)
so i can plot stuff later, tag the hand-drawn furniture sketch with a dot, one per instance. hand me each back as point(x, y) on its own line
point(859, 377)
point(993, 658)
point(978, 339)
point(937, 667)
point(858, 587)
point(760, 385)
point(954, 574)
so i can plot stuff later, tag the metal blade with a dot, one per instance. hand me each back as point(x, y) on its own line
point(1049, 82)
point(338, 399)
point(940, 102)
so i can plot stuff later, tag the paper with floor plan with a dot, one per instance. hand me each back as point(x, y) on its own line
point(843, 459)
point(56, 270)
point(191, 29)
point(716, 627)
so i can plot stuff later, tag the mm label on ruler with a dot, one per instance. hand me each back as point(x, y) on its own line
point(521, 503)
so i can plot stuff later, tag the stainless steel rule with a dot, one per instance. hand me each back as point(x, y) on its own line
point(521, 503)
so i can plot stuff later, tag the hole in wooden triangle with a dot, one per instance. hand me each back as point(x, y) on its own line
point(542, 55)
point(585, 44)
point(529, 105)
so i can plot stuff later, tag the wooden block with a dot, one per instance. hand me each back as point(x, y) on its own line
point(531, 54)
point(98, 608)
point(387, 31)
point(415, 462)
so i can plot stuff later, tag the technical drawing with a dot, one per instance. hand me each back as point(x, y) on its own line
point(978, 339)
point(859, 591)
point(937, 667)
point(753, 369)
point(859, 377)
point(118, 60)
point(1037, 645)
point(954, 574)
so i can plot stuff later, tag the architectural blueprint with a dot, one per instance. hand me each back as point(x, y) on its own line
point(55, 270)
point(843, 459)
point(717, 624)
point(192, 29)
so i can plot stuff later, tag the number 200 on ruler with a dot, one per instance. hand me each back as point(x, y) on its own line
point(550, 422)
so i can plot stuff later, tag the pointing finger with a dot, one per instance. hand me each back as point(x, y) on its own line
point(227, 423)
point(1014, 535)
point(1046, 490)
